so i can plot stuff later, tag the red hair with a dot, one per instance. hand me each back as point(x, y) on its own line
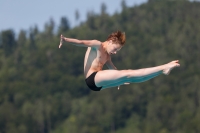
point(117, 37)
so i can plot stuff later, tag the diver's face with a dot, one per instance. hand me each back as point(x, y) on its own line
point(113, 48)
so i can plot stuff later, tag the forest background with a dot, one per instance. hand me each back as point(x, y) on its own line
point(42, 88)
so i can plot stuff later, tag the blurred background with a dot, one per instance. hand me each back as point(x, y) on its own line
point(23, 14)
point(42, 88)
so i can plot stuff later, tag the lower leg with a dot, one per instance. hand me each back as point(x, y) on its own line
point(135, 80)
point(144, 78)
point(146, 71)
point(145, 74)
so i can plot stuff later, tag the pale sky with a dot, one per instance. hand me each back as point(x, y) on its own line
point(23, 14)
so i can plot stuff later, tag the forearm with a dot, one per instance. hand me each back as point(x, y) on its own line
point(110, 65)
point(82, 43)
point(72, 40)
point(113, 68)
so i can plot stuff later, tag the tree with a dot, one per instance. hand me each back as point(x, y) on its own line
point(103, 9)
point(91, 19)
point(64, 25)
point(77, 15)
point(49, 28)
point(32, 35)
point(21, 38)
point(8, 41)
point(123, 5)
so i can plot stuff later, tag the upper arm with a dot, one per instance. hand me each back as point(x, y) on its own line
point(90, 43)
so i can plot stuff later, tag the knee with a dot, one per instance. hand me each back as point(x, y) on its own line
point(127, 73)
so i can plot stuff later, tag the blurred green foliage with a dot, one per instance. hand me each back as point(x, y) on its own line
point(42, 88)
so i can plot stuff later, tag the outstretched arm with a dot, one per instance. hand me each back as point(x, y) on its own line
point(83, 43)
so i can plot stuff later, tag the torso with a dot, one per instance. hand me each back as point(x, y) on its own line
point(95, 58)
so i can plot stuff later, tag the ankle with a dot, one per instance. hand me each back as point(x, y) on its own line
point(163, 68)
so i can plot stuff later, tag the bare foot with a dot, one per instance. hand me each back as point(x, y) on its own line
point(61, 40)
point(169, 66)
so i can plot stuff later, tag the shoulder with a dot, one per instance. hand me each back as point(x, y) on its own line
point(96, 43)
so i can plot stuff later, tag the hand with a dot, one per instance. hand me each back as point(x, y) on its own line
point(118, 87)
point(61, 40)
point(123, 84)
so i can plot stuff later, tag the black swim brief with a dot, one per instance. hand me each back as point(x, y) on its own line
point(91, 83)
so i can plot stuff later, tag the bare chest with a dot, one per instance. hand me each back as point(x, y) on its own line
point(94, 60)
point(102, 56)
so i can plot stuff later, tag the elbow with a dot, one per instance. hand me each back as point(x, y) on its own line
point(81, 42)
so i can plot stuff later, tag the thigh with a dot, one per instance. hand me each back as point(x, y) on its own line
point(108, 77)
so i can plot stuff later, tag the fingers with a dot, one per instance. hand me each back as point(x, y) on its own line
point(118, 87)
point(60, 45)
point(61, 41)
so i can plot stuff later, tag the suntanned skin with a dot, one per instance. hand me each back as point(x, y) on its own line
point(99, 53)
